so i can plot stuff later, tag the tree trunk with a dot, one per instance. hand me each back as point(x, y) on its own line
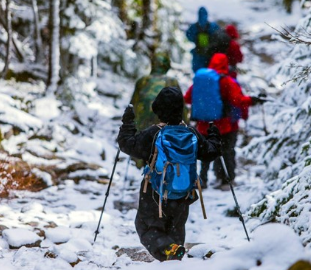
point(3, 22)
point(146, 14)
point(38, 40)
point(94, 67)
point(122, 9)
point(149, 22)
point(146, 23)
point(288, 5)
point(54, 55)
point(9, 40)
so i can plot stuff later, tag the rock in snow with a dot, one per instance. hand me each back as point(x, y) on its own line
point(21, 237)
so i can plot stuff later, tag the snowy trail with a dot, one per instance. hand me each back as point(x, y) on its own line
point(220, 232)
point(75, 208)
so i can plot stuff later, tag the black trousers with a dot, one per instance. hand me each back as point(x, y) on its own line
point(155, 233)
point(228, 144)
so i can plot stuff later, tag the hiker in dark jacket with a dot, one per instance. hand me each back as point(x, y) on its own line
point(195, 33)
point(163, 237)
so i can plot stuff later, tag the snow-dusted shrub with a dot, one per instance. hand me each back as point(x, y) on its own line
point(91, 30)
point(289, 129)
point(289, 205)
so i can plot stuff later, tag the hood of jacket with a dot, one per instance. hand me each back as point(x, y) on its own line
point(202, 16)
point(232, 31)
point(160, 63)
point(219, 62)
point(169, 105)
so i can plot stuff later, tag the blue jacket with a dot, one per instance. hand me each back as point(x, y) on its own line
point(193, 30)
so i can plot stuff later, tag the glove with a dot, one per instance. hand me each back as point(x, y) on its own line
point(257, 100)
point(128, 115)
point(213, 130)
point(214, 135)
point(262, 95)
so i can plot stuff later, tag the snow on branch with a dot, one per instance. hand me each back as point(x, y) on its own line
point(302, 37)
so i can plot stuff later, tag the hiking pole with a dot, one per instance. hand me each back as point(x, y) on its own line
point(231, 187)
point(107, 193)
point(235, 199)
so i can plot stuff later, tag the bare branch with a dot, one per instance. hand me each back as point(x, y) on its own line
point(293, 37)
point(301, 75)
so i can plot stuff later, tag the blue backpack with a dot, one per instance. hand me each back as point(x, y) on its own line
point(172, 171)
point(207, 104)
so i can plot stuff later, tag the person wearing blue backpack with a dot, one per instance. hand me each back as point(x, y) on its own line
point(202, 34)
point(216, 96)
point(170, 150)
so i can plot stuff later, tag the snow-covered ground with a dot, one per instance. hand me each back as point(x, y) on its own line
point(60, 221)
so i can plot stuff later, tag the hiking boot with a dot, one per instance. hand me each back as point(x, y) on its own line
point(224, 187)
point(175, 252)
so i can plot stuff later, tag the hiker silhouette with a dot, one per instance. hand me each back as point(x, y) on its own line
point(236, 106)
point(201, 34)
point(164, 236)
point(148, 87)
point(234, 52)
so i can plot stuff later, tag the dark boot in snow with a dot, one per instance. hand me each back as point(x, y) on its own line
point(175, 252)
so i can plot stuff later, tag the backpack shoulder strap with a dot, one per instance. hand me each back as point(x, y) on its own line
point(153, 157)
point(193, 131)
point(153, 143)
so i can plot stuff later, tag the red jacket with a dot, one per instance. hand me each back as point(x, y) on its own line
point(231, 93)
point(234, 51)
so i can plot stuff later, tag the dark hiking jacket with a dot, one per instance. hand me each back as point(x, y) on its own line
point(168, 106)
point(156, 233)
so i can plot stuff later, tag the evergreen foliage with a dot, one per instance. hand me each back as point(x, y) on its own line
point(285, 152)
